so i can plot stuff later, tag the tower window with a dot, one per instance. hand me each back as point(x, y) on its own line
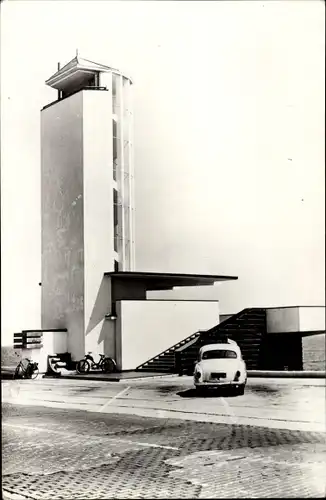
point(115, 218)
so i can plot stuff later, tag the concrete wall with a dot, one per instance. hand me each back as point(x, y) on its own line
point(98, 214)
point(53, 343)
point(314, 352)
point(282, 320)
point(149, 327)
point(295, 319)
point(77, 221)
point(312, 318)
point(62, 220)
point(100, 332)
point(60, 341)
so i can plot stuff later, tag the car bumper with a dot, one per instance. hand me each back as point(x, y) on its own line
point(219, 383)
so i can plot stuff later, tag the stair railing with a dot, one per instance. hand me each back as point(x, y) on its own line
point(188, 344)
point(188, 341)
point(172, 348)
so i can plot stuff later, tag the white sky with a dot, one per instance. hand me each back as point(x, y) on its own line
point(229, 139)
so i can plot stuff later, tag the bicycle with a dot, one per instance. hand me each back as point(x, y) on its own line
point(105, 363)
point(26, 369)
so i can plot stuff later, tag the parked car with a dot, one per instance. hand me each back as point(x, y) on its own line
point(221, 365)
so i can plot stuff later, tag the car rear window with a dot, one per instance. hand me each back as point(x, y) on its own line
point(219, 354)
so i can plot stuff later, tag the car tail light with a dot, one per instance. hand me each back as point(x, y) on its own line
point(237, 376)
point(197, 375)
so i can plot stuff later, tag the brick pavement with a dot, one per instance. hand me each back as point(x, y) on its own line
point(49, 453)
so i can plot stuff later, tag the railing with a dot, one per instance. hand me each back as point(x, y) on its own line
point(173, 348)
point(188, 344)
point(225, 322)
point(189, 341)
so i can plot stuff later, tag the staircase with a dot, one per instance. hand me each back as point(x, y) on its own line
point(247, 328)
point(165, 361)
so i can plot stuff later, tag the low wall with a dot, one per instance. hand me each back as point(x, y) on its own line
point(295, 319)
point(285, 374)
point(313, 351)
point(10, 356)
point(285, 319)
point(53, 343)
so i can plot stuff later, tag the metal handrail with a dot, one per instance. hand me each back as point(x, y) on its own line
point(191, 342)
point(173, 348)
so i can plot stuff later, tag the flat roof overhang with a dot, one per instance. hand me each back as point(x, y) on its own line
point(166, 281)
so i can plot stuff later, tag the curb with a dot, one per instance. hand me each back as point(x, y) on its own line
point(105, 379)
point(286, 374)
point(150, 377)
point(250, 373)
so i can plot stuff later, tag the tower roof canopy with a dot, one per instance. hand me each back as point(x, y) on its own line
point(76, 71)
point(166, 281)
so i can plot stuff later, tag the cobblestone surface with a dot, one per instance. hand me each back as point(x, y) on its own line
point(67, 454)
point(294, 470)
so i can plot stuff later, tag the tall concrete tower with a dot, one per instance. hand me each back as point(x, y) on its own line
point(87, 192)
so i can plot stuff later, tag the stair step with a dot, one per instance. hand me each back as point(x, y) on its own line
point(159, 370)
point(247, 338)
point(238, 329)
point(162, 365)
point(251, 316)
point(161, 362)
point(247, 329)
point(249, 348)
point(168, 361)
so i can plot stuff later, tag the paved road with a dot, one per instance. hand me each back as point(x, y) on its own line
point(297, 404)
point(61, 452)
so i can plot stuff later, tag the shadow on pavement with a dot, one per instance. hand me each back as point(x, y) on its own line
point(167, 389)
point(267, 389)
point(206, 393)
